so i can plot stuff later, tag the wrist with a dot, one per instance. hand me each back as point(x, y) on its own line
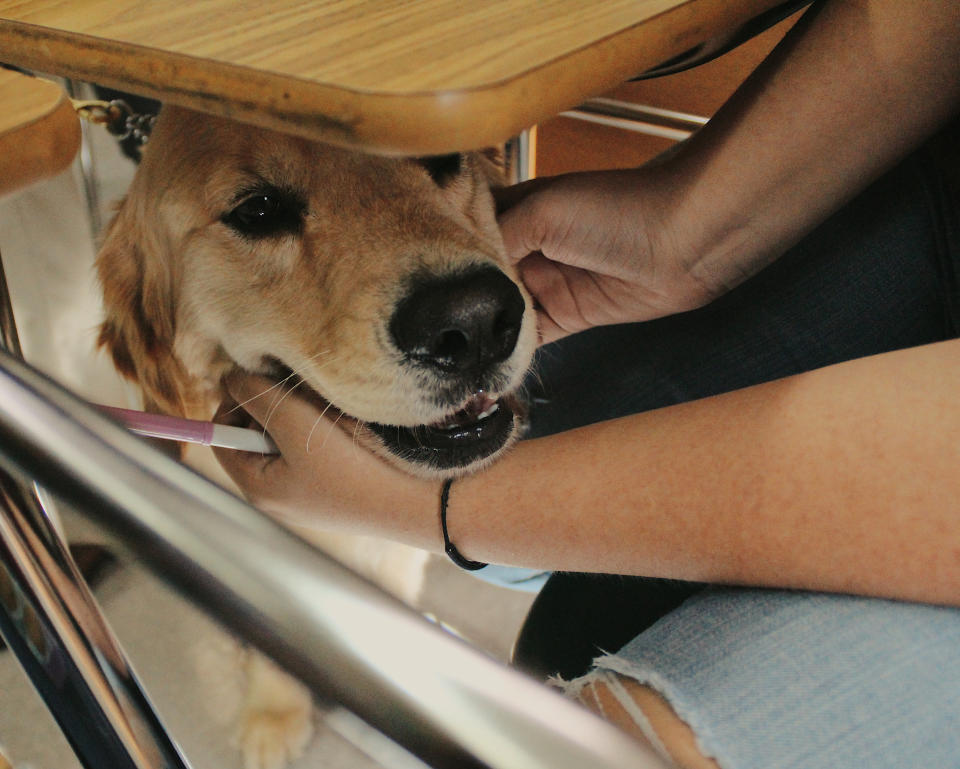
point(704, 226)
point(678, 236)
point(448, 547)
point(410, 514)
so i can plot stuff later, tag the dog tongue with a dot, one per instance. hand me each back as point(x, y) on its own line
point(479, 406)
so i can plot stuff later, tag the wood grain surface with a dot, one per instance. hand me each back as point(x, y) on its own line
point(396, 75)
point(39, 130)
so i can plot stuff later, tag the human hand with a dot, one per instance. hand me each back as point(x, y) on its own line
point(597, 248)
point(322, 477)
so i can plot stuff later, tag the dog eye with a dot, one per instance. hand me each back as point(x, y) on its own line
point(442, 168)
point(266, 214)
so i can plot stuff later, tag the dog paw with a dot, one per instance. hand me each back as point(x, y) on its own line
point(276, 722)
point(271, 739)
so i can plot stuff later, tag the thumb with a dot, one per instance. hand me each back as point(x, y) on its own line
point(522, 225)
point(522, 231)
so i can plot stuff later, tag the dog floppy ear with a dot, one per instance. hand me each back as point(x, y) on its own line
point(139, 326)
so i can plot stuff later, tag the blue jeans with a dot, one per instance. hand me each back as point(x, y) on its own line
point(880, 275)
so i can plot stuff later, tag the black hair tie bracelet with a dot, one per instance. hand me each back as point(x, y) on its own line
point(448, 547)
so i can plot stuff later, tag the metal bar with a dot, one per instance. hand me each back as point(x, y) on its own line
point(521, 156)
point(88, 164)
point(52, 624)
point(429, 692)
point(9, 340)
point(652, 121)
point(54, 627)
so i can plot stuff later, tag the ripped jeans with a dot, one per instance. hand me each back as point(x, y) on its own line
point(770, 678)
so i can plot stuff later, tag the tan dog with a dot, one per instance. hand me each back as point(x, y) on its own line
point(379, 282)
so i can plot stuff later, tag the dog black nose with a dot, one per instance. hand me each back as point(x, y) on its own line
point(462, 323)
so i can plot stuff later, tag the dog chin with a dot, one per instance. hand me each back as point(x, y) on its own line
point(466, 440)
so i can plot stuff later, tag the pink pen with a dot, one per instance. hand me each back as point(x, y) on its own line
point(192, 430)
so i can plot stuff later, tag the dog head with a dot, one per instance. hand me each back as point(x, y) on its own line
point(379, 282)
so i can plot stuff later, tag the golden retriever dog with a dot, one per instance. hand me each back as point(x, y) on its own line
point(379, 283)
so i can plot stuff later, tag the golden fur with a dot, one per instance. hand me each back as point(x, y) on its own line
point(187, 299)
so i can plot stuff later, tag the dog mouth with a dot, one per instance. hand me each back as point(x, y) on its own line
point(478, 429)
point(474, 431)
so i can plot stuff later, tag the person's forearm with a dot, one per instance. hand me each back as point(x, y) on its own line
point(841, 479)
point(854, 87)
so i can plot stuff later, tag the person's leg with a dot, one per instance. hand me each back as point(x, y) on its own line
point(765, 678)
point(644, 714)
point(880, 275)
point(575, 617)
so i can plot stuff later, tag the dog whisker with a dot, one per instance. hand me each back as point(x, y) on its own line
point(534, 384)
point(275, 403)
point(332, 428)
point(357, 428)
point(356, 443)
point(275, 406)
point(537, 376)
point(283, 381)
point(317, 424)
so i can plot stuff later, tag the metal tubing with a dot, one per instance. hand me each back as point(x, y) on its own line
point(52, 624)
point(429, 692)
point(652, 121)
point(521, 156)
point(9, 340)
point(88, 164)
point(54, 627)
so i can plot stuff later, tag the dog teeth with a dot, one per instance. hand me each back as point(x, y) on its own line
point(473, 412)
point(492, 410)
